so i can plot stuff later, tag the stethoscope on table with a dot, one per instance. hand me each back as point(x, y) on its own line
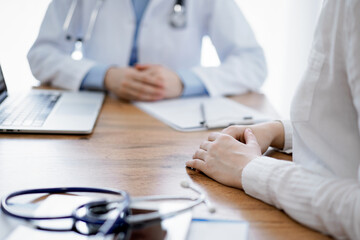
point(95, 214)
point(177, 20)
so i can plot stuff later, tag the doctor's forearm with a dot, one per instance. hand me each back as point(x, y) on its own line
point(192, 84)
point(94, 79)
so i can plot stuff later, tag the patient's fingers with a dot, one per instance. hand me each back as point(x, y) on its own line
point(205, 145)
point(236, 131)
point(200, 154)
point(196, 164)
point(213, 136)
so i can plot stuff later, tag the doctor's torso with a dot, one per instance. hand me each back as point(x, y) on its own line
point(243, 65)
point(158, 42)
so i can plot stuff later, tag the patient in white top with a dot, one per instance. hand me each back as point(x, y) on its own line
point(321, 187)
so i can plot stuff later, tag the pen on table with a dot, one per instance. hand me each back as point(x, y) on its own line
point(203, 115)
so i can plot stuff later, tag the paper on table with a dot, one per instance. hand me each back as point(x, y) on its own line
point(23, 232)
point(184, 114)
point(223, 112)
point(218, 229)
point(50, 207)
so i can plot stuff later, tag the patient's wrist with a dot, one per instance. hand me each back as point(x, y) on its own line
point(277, 130)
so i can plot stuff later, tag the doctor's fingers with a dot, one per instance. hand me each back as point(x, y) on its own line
point(142, 96)
point(151, 79)
point(139, 89)
point(125, 91)
point(144, 67)
point(131, 97)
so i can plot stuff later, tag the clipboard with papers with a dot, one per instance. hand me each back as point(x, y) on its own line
point(201, 113)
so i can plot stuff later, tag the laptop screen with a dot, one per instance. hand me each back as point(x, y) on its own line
point(3, 90)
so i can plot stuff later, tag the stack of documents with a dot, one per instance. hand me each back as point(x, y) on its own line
point(201, 113)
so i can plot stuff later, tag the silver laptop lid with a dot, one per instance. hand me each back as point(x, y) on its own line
point(74, 113)
point(3, 88)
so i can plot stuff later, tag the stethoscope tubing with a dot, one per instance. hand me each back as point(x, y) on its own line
point(5, 201)
point(69, 17)
point(94, 15)
point(93, 18)
point(139, 219)
point(131, 220)
point(90, 28)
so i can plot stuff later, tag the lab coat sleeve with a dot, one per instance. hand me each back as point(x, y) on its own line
point(243, 67)
point(192, 84)
point(329, 205)
point(49, 57)
point(94, 79)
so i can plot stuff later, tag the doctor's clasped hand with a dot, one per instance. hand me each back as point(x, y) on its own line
point(143, 83)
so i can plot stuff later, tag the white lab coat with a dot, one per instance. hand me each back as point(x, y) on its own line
point(243, 66)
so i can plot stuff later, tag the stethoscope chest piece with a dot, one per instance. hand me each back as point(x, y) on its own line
point(90, 217)
point(178, 15)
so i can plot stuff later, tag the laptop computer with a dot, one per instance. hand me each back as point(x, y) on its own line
point(49, 111)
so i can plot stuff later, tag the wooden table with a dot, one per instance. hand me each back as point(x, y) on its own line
point(131, 150)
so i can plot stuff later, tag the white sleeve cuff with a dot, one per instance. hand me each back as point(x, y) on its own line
point(288, 134)
point(256, 176)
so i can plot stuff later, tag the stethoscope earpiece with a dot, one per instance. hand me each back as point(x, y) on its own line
point(186, 184)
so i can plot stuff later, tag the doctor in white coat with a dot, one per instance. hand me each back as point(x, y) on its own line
point(135, 52)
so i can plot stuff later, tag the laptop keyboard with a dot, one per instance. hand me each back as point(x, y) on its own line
point(31, 111)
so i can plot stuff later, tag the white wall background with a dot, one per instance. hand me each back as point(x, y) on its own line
point(283, 27)
point(19, 24)
point(285, 30)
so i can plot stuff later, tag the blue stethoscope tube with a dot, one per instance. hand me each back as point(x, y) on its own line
point(6, 209)
point(105, 229)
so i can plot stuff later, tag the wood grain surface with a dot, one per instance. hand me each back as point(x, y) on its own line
point(131, 150)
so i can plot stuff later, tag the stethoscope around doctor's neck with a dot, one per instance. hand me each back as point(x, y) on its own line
point(177, 19)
